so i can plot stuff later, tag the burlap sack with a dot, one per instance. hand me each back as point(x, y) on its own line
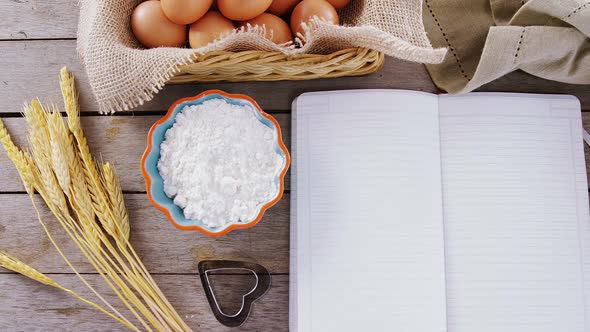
point(123, 75)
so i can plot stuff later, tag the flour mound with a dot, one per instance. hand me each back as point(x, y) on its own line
point(219, 163)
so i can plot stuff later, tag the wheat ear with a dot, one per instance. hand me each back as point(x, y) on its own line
point(40, 144)
point(20, 158)
point(15, 265)
point(62, 154)
point(113, 189)
point(70, 96)
point(80, 197)
point(36, 119)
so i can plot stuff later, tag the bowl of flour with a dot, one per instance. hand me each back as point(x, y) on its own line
point(215, 162)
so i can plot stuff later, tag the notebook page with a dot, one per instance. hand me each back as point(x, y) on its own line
point(366, 231)
point(515, 200)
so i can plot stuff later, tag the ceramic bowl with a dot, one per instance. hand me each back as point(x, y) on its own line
point(155, 184)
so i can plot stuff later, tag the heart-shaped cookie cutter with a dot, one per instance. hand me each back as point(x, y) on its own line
point(262, 285)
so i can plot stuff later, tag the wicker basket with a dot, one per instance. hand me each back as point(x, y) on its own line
point(276, 66)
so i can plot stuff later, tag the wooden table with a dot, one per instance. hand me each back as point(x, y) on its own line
point(37, 38)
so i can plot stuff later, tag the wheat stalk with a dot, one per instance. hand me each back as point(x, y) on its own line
point(46, 185)
point(88, 203)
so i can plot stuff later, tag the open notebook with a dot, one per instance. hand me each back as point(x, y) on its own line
point(418, 212)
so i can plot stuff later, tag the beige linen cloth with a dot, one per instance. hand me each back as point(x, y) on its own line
point(123, 75)
point(490, 38)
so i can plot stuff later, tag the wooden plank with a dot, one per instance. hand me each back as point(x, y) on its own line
point(32, 19)
point(120, 140)
point(30, 306)
point(117, 139)
point(22, 59)
point(267, 242)
point(30, 69)
point(163, 248)
point(520, 81)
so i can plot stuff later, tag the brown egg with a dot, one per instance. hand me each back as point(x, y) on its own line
point(242, 10)
point(282, 7)
point(339, 3)
point(209, 28)
point(153, 29)
point(185, 11)
point(277, 30)
point(307, 9)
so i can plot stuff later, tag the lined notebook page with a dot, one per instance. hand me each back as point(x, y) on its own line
point(367, 248)
point(515, 203)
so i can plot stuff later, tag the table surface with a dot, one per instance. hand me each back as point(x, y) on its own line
point(37, 38)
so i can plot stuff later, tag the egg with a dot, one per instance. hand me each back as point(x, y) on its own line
point(185, 11)
point(242, 10)
point(339, 3)
point(307, 9)
point(153, 29)
point(209, 28)
point(277, 30)
point(282, 7)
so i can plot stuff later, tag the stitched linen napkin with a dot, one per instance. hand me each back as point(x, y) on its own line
point(490, 38)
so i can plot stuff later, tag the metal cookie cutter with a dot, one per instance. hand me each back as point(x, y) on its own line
point(262, 285)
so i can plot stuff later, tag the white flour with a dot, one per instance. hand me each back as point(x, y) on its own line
point(219, 163)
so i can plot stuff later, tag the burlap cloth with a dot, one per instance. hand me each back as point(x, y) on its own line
point(122, 75)
point(490, 38)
